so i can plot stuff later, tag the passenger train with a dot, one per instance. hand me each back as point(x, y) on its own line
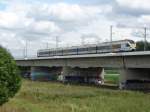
point(106, 47)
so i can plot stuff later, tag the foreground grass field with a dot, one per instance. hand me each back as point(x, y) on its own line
point(56, 97)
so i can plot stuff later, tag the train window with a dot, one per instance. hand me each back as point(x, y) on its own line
point(64, 51)
point(103, 47)
point(82, 49)
point(100, 47)
point(51, 52)
point(72, 50)
point(40, 53)
point(91, 48)
point(117, 46)
point(69, 50)
point(44, 53)
point(60, 51)
point(107, 47)
point(131, 41)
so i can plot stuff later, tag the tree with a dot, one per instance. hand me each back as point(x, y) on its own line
point(140, 46)
point(10, 80)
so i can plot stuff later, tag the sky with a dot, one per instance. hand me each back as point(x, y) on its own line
point(37, 23)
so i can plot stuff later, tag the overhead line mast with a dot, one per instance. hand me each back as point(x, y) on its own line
point(111, 27)
point(145, 41)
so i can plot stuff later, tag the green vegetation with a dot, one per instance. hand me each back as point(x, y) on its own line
point(56, 97)
point(112, 76)
point(9, 76)
point(140, 46)
point(111, 71)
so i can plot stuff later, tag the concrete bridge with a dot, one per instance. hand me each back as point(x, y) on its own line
point(132, 65)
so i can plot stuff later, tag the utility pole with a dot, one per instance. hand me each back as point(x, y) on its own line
point(26, 49)
point(24, 55)
point(111, 28)
point(145, 41)
point(97, 40)
point(57, 41)
point(46, 45)
point(82, 40)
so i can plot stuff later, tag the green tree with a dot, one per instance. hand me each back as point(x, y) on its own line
point(10, 80)
point(140, 46)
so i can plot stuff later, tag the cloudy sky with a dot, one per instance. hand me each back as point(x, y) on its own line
point(39, 22)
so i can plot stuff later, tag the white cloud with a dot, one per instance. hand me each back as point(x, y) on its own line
point(135, 4)
point(44, 27)
point(145, 20)
point(64, 12)
point(37, 23)
point(8, 19)
point(40, 22)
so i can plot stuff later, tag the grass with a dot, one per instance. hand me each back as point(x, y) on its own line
point(56, 97)
point(112, 78)
point(111, 71)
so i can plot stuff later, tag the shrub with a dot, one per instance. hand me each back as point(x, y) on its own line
point(10, 80)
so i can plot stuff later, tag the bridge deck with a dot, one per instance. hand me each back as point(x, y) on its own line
point(121, 54)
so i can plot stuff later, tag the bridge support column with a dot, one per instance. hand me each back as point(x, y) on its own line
point(84, 75)
point(134, 79)
point(45, 73)
point(25, 71)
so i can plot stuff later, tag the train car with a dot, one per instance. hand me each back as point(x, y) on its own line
point(123, 46)
point(70, 51)
point(87, 49)
point(43, 53)
point(58, 52)
point(46, 53)
point(92, 49)
point(83, 50)
point(116, 46)
point(106, 47)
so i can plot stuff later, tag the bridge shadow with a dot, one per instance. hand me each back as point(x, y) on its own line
point(108, 86)
point(104, 86)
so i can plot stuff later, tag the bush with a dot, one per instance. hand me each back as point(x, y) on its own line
point(10, 80)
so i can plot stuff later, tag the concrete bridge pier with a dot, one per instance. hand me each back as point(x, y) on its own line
point(45, 73)
point(85, 75)
point(134, 78)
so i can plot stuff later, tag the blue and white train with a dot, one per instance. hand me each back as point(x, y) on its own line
point(106, 47)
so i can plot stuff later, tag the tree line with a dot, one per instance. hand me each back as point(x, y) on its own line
point(140, 46)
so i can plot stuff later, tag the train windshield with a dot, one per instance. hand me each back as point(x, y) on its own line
point(131, 41)
point(127, 45)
